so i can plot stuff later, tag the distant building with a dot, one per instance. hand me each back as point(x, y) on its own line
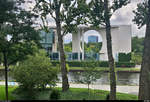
point(93, 39)
point(47, 40)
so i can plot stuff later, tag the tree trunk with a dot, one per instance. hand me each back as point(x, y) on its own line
point(109, 51)
point(144, 85)
point(6, 74)
point(65, 84)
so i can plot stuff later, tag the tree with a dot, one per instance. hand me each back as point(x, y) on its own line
point(137, 49)
point(142, 17)
point(16, 34)
point(137, 45)
point(35, 72)
point(67, 14)
point(89, 75)
point(101, 12)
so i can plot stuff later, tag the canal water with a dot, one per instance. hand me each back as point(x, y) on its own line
point(123, 78)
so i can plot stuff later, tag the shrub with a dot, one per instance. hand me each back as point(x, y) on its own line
point(123, 57)
point(35, 72)
point(96, 63)
point(89, 75)
point(125, 64)
point(137, 58)
point(55, 94)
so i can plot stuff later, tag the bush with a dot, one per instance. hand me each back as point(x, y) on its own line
point(123, 57)
point(97, 63)
point(35, 72)
point(137, 58)
point(125, 64)
point(55, 94)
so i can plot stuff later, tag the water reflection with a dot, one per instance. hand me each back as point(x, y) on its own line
point(123, 78)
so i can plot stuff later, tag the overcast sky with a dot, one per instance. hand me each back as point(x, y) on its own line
point(123, 16)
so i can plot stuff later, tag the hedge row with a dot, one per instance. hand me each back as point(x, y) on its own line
point(123, 57)
point(97, 63)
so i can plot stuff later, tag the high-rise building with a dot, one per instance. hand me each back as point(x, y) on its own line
point(93, 39)
point(47, 40)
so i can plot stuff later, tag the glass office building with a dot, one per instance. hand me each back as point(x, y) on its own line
point(92, 39)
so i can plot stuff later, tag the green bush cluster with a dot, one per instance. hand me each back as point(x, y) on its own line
point(55, 95)
point(125, 64)
point(35, 72)
point(97, 63)
point(137, 58)
point(123, 57)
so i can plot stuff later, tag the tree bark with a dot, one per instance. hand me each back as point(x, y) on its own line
point(65, 84)
point(144, 83)
point(6, 74)
point(109, 52)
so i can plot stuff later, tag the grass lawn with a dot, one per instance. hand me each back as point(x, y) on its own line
point(72, 94)
point(2, 93)
point(107, 69)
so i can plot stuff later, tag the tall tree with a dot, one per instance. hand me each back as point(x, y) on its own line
point(142, 17)
point(16, 34)
point(67, 15)
point(101, 12)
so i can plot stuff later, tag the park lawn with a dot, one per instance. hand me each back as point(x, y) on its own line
point(2, 92)
point(72, 94)
point(107, 69)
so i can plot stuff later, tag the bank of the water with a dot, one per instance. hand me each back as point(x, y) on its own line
point(123, 77)
point(72, 94)
point(106, 69)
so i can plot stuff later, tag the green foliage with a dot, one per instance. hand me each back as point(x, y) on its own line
point(123, 57)
point(55, 94)
point(35, 72)
point(97, 10)
point(17, 34)
point(125, 64)
point(1, 58)
point(88, 47)
point(137, 45)
point(70, 12)
point(137, 58)
point(67, 48)
point(97, 63)
point(137, 50)
point(89, 75)
point(141, 14)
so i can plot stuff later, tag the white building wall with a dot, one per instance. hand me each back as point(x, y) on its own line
point(121, 41)
point(124, 38)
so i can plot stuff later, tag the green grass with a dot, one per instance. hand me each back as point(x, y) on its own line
point(2, 93)
point(107, 69)
point(72, 94)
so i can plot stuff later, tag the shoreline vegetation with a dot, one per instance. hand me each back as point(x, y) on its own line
point(104, 69)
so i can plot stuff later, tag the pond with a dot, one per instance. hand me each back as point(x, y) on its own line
point(123, 78)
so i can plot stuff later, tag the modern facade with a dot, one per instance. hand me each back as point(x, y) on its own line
point(121, 42)
point(48, 39)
